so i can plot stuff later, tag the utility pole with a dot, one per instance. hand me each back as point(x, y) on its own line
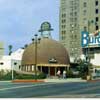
point(35, 56)
point(88, 47)
point(35, 41)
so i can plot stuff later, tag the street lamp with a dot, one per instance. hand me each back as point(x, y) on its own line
point(35, 40)
point(88, 49)
point(12, 72)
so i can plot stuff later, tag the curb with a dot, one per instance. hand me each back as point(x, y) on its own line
point(93, 80)
point(26, 81)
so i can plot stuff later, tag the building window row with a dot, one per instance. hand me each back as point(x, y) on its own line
point(75, 2)
point(74, 25)
point(63, 26)
point(97, 11)
point(74, 7)
point(73, 36)
point(97, 27)
point(73, 13)
point(84, 12)
point(85, 4)
point(97, 19)
point(63, 15)
point(63, 8)
point(63, 32)
point(73, 19)
point(63, 37)
point(96, 3)
point(27, 68)
point(63, 20)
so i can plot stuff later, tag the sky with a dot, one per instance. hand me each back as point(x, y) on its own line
point(21, 19)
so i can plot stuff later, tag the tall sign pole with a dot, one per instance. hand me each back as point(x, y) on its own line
point(35, 69)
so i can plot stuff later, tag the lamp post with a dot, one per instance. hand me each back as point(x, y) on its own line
point(12, 72)
point(36, 40)
point(88, 49)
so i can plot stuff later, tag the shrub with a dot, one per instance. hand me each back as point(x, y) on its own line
point(8, 76)
point(41, 76)
point(69, 73)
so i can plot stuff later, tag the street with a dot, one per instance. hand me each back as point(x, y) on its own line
point(49, 90)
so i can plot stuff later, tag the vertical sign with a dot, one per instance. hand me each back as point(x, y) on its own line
point(84, 39)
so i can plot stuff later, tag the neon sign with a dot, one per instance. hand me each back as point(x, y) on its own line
point(89, 39)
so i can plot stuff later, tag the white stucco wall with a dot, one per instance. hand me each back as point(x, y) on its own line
point(13, 61)
point(17, 55)
point(5, 63)
point(96, 60)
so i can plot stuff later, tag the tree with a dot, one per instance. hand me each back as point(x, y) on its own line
point(10, 49)
point(83, 68)
point(26, 45)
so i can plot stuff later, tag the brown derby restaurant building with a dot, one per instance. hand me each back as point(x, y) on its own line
point(45, 55)
point(51, 56)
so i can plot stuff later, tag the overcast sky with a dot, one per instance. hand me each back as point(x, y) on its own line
point(21, 19)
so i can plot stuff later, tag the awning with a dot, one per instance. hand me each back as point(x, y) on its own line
point(54, 65)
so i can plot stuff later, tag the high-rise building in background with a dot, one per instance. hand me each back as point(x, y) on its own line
point(1, 49)
point(76, 16)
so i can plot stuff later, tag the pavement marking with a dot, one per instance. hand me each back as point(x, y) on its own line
point(73, 96)
point(16, 87)
point(84, 89)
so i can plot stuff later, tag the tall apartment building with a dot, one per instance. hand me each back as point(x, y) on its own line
point(1, 49)
point(76, 16)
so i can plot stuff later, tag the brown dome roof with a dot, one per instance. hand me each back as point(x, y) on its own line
point(46, 50)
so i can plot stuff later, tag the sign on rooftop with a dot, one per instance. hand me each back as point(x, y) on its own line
point(89, 40)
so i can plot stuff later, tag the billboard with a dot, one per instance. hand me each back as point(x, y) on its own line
point(89, 40)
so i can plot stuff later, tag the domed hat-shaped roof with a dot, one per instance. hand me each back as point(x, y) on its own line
point(47, 50)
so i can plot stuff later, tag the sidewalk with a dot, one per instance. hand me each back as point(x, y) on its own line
point(65, 80)
point(54, 80)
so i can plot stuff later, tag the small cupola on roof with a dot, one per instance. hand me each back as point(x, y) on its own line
point(45, 30)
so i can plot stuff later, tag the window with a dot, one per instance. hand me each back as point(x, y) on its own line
point(15, 63)
point(84, 12)
point(96, 3)
point(75, 7)
point(96, 11)
point(71, 14)
point(1, 63)
point(71, 19)
point(97, 27)
point(85, 28)
point(64, 32)
point(63, 21)
point(75, 18)
point(75, 36)
point(19, 66)
point(85, 4)
point(97, 19)
point(63, 15)
point(75, 13)
point(63, 26)
point(62, 37)
point(71, 2)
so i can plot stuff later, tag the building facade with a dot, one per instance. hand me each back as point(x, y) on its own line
point(7, 62)
point(1, 49)
point(76, 16)
point(45, 55)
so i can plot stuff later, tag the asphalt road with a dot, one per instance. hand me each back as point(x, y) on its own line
point(49, 90)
